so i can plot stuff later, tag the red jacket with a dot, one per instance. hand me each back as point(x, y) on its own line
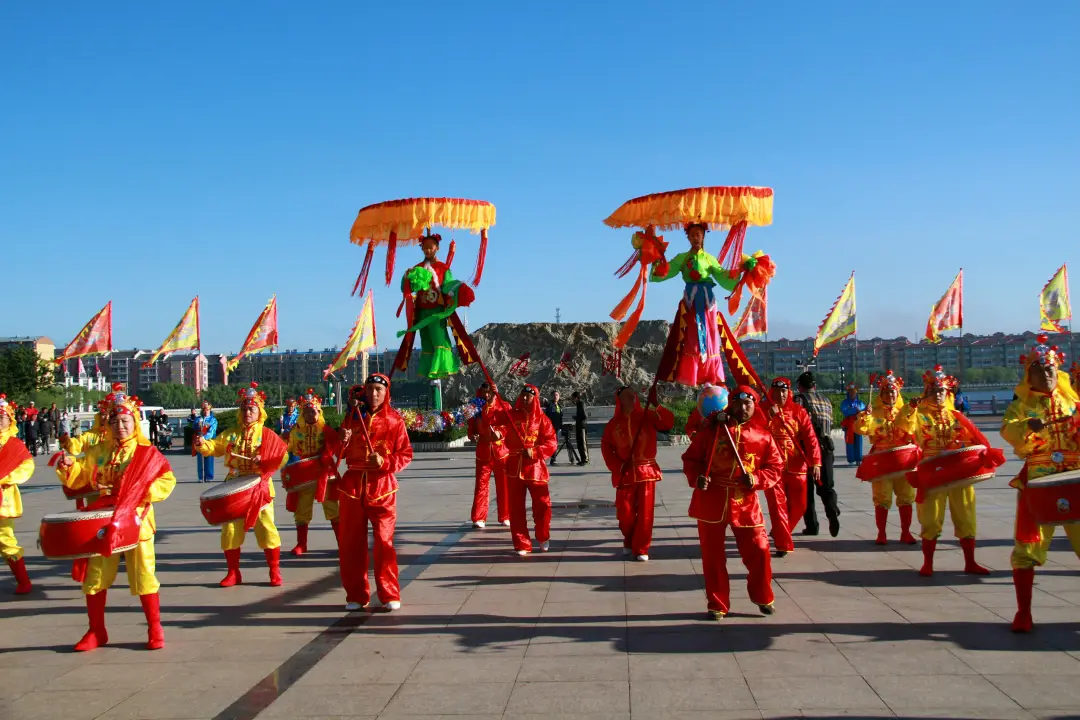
point(793, 431)
point(363, 479)
point(619, 435)
point(481, 427)
point(726, 500)
point(529, 428)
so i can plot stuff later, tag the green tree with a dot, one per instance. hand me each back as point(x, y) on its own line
point(171, 396)
point(23, 372)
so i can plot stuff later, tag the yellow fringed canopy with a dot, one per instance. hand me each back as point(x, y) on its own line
point(408, 219)
point(717, 207)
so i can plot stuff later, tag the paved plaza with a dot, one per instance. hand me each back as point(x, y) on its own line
point(576, 632)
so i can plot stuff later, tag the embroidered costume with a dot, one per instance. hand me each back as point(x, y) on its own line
point(319, 443)
point(487, 428)
point(531, 439)
point(16, 467)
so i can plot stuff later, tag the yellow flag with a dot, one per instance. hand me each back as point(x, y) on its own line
point(185, 336)
point(262, 336)
point(1054, 305)
point(361, 339)
point(840, 322)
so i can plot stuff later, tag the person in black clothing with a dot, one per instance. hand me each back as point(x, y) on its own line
point(820, 410)
point(44, 430)
point(153, 422)
point(580, 419)
point(30, 435)
point(553, 410)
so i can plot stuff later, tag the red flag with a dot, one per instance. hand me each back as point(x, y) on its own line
point(94, 338)
point(948, 313)
point(520, 368)
point(741, 369)
point(755, 318)
point(262, 336)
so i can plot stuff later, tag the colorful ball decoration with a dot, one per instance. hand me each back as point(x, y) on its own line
point(713, 399)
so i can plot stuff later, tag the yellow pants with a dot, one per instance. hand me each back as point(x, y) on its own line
point(886, 487)
point(305, 505)
point(9, 546)
point(1028, 555)
point(139, 564)
point(961, 502)
point(266, 534)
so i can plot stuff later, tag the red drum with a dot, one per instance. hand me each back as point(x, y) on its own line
point(230, 500)
point(80, 494)
point(885, 464)
point(72, 535)
point(303, 474)
point(953, 469)
point(1055, 499)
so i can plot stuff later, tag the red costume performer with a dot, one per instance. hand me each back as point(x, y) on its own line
point(488, 429)
point(629, 449)
point(531, 439)
point(376, 448)
point(793, 432)
point(725, 493)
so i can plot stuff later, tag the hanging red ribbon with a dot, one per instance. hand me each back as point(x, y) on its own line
point(480, 257)
point(733, 247)
point(650, 248)
point(450, 254)
point(391, 255)
point(365, 269)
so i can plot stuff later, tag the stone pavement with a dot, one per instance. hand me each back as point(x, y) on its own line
point(577, 632)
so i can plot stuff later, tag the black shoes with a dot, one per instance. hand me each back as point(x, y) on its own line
point(834, 526)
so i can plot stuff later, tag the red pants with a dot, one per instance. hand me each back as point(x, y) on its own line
point(787, 505)
point(353, 549)
point(481, 494)
point(541, 508)
point(634, 506)
point(753, 547)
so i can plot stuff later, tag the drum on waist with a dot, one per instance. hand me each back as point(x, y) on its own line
point(1054, 499)
point(229, 500)
point(74, 534)
point(953, 469)
point(883, 464)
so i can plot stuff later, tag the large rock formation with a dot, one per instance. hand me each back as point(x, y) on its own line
point(501, 344)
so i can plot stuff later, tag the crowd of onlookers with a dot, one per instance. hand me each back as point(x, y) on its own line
point(39, 429)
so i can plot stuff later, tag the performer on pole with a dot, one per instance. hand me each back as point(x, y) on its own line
point(376, 448)
point(130, 475)
point(310, 437)
point(242, 450)
point(530, 439)
point(629, 449)
point(793, 432)
point(729, 460)
point(16, 467)
point(1042, 426)
point(487, 428)
point(882, 424)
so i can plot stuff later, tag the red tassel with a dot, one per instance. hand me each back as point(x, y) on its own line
point(734, 245)
point(450, 253)
point(391, 255)
point(480, 258)
point(365, 269)
point(628, 265)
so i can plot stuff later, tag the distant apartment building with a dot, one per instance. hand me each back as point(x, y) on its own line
point(197, 371)
point(295, 366)
point(43, 346)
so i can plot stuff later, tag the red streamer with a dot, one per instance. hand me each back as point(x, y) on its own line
point(480, 257)
point(450, 254)
point(733, 246)
point(365, 270)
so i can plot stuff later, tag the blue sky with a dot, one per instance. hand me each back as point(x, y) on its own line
point(150, 152)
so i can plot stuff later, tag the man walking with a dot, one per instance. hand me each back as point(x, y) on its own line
point(581, 429)
point(820, 410)
point(554, 414)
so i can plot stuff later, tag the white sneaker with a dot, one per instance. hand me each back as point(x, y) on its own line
point(393, 605)
point(505, 523)
point(522, 553)
point(643, 558)
point(479, 524)
point(544, 546)
point(625, 551)
point(353, 607)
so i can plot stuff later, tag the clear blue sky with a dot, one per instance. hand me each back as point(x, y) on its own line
point(150, 152)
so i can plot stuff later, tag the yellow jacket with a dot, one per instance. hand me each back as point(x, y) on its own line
point(884, 425)
point(102, 468)
point(238, 446)
point(1056, 447)
point(934, 428)
point(12, 503)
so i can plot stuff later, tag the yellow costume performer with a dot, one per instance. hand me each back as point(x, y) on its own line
point(105, 468)
point(936, 425)
point(16, 467)
point(1041, 426)
point(882, 425)
point(311, 437)
point(241, 449)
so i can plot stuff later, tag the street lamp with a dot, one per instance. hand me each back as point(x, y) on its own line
point(842, 383)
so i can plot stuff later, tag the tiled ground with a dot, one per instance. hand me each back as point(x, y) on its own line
point(577, 632)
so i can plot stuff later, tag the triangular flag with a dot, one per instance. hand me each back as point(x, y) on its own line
point(755, 318)
point(948, 313)
point(262, 336)
point(185, 336)
point(95, 337)
point(1054, 305)
point(361, 339)
point(840, 322)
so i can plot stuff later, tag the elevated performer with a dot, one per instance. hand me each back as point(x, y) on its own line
point(729, 460)
point(311, 439)
point(250, 449)
point(1042, 426)
point(629, 449)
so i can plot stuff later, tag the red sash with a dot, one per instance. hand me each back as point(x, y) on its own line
point(12, 455)
point(272, 450)
point(146, 466)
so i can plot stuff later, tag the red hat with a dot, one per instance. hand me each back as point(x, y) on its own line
point(746, 391)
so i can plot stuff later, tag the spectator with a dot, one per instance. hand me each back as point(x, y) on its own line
point(76, 428)
point(64, 425)
point(960, 400)
point(152, 421)
point(850, 409)
point(44, 431)
point(289, 418)
point(54, 419)
point(581, 428)
point(206, 426)
point(30, 433)
point(32, 412)
point(553, 410)
point(820, 410)
point(20, 420)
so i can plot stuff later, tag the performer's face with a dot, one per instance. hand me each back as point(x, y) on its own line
point(430, 249)
point(526, 397)
point(489, 394)
point(310, 416)
point(889, 394)
point(626, 400)
point(780, 395)
point(249, 413)
point(122, 426)
point(696, 236)
point(375, 394)
point(5, 421)
point(938, 394)
point(1043, 378)
point(742, 409)
point(851, 393)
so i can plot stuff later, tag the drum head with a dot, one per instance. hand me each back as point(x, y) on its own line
point(77, 516)
point(231, 487)
point(1069, 477)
